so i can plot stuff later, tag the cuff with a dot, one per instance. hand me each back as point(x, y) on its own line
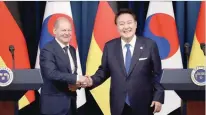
point(78, 77)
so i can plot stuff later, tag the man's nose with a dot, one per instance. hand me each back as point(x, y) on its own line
point(126, 26)
point(66, 32)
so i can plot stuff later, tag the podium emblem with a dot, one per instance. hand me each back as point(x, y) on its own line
point(198, 75)
point(6, 76)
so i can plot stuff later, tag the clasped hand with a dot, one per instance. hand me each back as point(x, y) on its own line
point(84, 81)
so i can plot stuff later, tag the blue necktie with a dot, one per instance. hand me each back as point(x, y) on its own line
point(128, 58)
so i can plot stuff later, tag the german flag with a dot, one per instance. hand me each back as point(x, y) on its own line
point(197, 57)
point(104, 30)
point(11, 34)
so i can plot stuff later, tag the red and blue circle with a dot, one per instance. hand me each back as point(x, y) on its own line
point(161, 28)
point(47, 29)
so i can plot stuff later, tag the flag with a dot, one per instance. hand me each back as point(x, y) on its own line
point(104, 30)
point(11, 35)
point(54, 10)
point(186, 13)
point(192, 11)
point(197, 57)
point(160, 26)
point(82, 12)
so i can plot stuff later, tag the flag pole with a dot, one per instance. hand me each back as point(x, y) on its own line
point(187, 52)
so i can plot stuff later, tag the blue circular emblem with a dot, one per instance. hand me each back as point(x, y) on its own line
point(198, 75)
point(6, 76)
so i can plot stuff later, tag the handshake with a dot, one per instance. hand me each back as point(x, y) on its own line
point(83, 81)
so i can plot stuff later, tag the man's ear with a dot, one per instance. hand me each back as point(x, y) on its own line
point(54, 31)
point(136, 24)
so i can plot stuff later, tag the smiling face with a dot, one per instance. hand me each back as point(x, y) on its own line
point(63, 30)
point(126, 25)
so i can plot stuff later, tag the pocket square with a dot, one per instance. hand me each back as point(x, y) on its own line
point(142, 58)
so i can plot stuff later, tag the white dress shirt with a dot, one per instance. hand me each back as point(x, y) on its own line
point(132, 45)
point(70, 57)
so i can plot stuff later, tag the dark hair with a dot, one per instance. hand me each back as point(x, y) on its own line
point(125, 11)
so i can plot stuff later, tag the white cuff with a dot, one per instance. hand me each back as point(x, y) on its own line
point(78, 77)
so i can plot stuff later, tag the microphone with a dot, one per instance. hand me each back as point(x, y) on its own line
point(11, 49)
point(187, 51)
point(187, 48)
point(202, 46)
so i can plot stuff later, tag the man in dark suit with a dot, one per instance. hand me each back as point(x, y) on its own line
point(134, 64)
point(59, 71)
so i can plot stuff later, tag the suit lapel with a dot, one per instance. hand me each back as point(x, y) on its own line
point(136, 54)
point(120, 56)
point(60, 53)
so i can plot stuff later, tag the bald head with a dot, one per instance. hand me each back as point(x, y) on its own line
point(60, 20)
point(63, 30)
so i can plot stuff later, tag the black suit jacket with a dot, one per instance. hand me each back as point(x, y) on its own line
point(142, 83)
point(56, 73)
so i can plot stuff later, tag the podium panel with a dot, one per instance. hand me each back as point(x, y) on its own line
point(180, 81)
point(23, 80)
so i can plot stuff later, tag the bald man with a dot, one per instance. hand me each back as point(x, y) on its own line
point(59, 71)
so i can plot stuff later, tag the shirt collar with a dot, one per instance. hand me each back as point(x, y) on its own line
point(61, 44)
point(132, 42)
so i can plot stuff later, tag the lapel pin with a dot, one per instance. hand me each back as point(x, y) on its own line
point(141, 48)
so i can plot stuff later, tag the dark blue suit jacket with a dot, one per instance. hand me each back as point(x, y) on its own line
point(56, 73)
point(142, 83)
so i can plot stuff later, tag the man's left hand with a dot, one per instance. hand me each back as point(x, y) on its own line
point(73, 87)
point(158, 106)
